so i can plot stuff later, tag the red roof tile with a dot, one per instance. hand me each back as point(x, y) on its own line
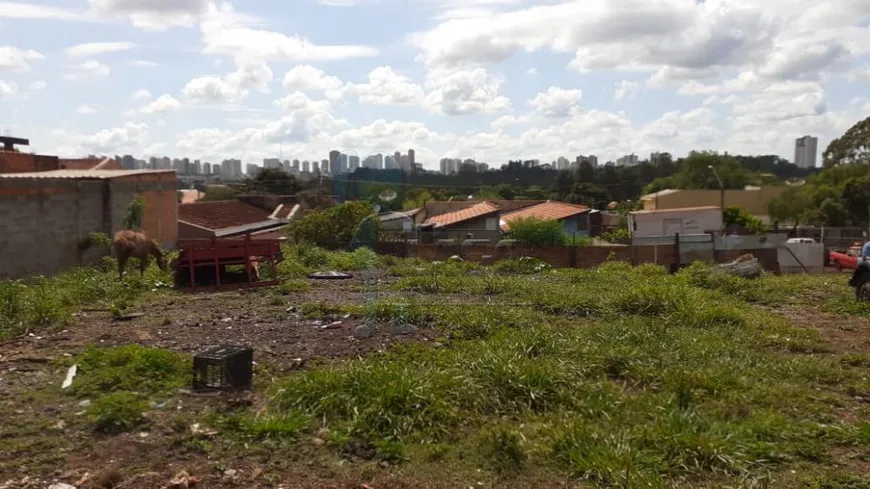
point(475, 211)
point(221, 214)
point(547, 211)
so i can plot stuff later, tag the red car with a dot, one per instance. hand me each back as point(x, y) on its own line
point(847, 259)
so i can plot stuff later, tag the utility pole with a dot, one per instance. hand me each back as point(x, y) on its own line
point(721, 194)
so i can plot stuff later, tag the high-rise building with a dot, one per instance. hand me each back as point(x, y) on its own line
point(341, 165)
point(591, 159)
point(206, 168)
point(324, 166)
point(353, 163)
point(197, 167)
point(390, 163)
point(231, 168)
point(252, 170)
point(627, 160)
point(306, 167)
point(296, 165)
point(374, 162)
point(412, 159)
point(805, 151)
point(333, 159)
point(271, 163)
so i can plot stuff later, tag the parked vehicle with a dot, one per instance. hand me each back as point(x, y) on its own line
point(801, 241)
point(845, 259)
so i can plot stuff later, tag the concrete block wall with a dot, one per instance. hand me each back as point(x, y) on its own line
point(43, 221)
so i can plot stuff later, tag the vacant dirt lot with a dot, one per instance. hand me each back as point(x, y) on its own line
point(49, 434)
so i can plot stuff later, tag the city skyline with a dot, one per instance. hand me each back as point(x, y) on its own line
point(485, 82)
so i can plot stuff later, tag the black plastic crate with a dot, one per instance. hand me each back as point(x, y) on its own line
point(224, 367)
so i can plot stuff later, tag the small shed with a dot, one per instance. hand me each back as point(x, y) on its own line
point(669, 222)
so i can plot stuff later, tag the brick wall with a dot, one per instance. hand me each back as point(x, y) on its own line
point(557, 256)
point(42, 221)
point(15, 162)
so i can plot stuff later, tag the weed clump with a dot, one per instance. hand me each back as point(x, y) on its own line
point(130, 368)
point(116, 412)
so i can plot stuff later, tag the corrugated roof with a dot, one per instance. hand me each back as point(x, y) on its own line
point(547, 211)
point(221, 214)
point(679, 209)
point(473, 212)
point(660, 193)
point(82, 174)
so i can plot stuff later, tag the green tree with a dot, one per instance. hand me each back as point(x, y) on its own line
point(790, 206)
point(273, 181)
point(216, 192)
point(734, 216)
point(851, 147)
point(134, 213)
point(333, 226)
point(695, 173)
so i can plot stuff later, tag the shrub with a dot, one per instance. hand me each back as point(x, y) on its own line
point(130, 368)
point(116, 412)
point(522, 265)
point(532, 231)
point(334, 226)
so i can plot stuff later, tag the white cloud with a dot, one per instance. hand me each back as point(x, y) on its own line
point(625, 90)
point(386, 87)
point(307, 78)
point(141, 94)
point(141, 63)
point(464, 91)
point(37, 86)
point(557, 102)
point(90, 69)
point(532, 71)
point(85, 110)
point(231, 88)
point(7, 89)
point(162, 104)
point(92, 49)
point(227, 33)
point(17, 60)
point(211, 90)
point(675, 39)
point(506, 121)
point(153, 15)
point(115, 139)
point(29, 11)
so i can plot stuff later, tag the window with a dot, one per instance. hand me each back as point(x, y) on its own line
point(491, 223)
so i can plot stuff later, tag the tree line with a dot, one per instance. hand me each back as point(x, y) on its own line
point(836, 195)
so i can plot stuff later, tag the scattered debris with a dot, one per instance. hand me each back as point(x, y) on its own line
point(364, 331)
point(335, 325)
point(129, 316)
point(403, 329)
point(61, 485)
point(746, 266)
point(60, 425)
point(231, 472)
point(330, 275)
point(182, 480)
point(318, 442)
point(85, 403)
point(70, 375)
point(197, 430)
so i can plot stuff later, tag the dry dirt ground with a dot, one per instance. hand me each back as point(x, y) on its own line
point(45, 438)
point(48, 432)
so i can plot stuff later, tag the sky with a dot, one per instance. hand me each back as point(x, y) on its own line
point(486, 79)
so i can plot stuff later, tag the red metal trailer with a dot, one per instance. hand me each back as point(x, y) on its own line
point(207, 263)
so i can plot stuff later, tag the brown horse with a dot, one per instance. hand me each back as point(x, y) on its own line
point(135, 244)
